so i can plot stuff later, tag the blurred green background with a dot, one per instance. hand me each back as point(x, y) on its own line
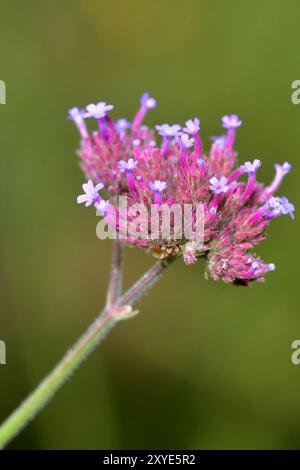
point(205, 365)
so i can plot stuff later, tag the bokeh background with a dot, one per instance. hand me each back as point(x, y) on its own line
point(205, 365)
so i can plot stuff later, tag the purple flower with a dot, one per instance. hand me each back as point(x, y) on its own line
point(127, 166)
point(286, 207)
point(236, 213)
point(218, 186)
point(91, 193)
point(274, 202)
point(186, 141)
point(284, 169)
point(158, 186)
point(102, 206)
point(251, 167)
point(231, 122)
point(168, 131)
point(98, 110)
point(122, 125)
point(281, 206)
point(147, 101)
point(75, 114)
point(219, 141)
point(192, 126)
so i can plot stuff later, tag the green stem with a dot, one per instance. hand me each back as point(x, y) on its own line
point(115, 284)
point(111, 315)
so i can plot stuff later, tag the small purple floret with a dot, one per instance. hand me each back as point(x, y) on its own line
point(192, 126)
point(168, 131)
point(287, 207)
point(158, 186)
point(75, 114)
point(281, 206)
point(219, 141)
point(219, 186)
point(231, 122)
point(127, 166)
point(102, 206)
point(186, 141)
point(91, 195)
point(98, 110)
point(122, 125)
point(274, 202)
point(251, 167)
point(284, 169)
point(147, 101)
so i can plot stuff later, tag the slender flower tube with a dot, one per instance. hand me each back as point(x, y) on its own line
point(158, 187)
point(167, 132)
point(77, 117)
point(186, 143)
point(281, 172)
point(231, 123)
point(193, 128)
point(251, 169)
point(128, 167)
point(147, 102)
point(98, 111)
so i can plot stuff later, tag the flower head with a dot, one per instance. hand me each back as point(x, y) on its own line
point(90, 195)
point(192, 126)
point(236, 213)
point(98, 110)
point(231, 122)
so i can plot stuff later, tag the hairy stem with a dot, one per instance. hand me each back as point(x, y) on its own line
point(115, 284)
point(112, 314)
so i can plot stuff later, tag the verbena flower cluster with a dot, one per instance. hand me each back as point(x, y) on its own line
point(168, 166)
